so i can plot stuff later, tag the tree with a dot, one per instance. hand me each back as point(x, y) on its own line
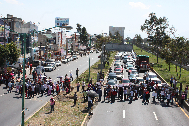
point(13, 53)
point(84, 36)
point(155, 27)
point(116, 38)
point(9, 53)
point(138, 39)
point(3, 54)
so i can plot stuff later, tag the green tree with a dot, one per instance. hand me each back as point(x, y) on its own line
point(156, 28)
point(138, 39)
point(84, 36)
point(13, 53)
point(3, 55)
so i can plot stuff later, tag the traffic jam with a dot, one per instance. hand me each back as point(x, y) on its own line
point(130, 77)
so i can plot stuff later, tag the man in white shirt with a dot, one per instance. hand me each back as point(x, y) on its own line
point(131, 95)
point(89, 102)
point(168, 98)
point(32, 91)
point(10, 86)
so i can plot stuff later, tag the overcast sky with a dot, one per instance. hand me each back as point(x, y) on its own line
point(98, 15)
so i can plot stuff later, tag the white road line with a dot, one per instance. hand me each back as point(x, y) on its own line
point(155, 115)
point(123, 113)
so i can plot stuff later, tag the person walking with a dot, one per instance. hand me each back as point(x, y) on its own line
point(9, 87)
point(99, 92)
point(75, 98)
point(52, 103)
point(168, 98)
point(30, 68)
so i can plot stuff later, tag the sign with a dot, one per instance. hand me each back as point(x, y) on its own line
point(100, 66)
point(61, 21)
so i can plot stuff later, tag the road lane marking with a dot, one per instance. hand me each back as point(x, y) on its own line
point(155, 115)
point(123, 113)
point(182, 109)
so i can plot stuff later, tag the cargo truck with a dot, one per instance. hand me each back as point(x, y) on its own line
point(142, 63)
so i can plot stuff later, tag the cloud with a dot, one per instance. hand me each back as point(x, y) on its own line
point(0, 3)
point(13, 2)
point(139, 5)
point(158, 5)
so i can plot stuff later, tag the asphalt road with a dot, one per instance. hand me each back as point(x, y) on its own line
point(137, 113)
point(11, 103)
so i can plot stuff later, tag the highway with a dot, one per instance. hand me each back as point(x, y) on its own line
point(137, 113)
point(11, 103)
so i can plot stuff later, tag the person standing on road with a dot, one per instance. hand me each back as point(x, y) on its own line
point(71, 76)
point(9, 86)
point(77, 72)
point(32, 91)
point(30, 68)
point(52, 103)
point(89, 102)
point(131, 95)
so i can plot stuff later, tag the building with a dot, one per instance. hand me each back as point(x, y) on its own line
point(113, 30)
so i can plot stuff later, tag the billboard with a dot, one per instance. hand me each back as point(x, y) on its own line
point(61, 21)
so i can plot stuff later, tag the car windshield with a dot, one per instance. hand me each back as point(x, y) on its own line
point(118, 73)
point(152, 76)
point(48, 66)
point(126, 81)
point(131, 68)
point(111, 83)
point(134, 72)
point(130, 65)
point(57, 61)
point(132, 75)
point(117, 69)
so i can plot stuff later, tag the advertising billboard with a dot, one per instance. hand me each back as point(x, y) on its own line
point(61, 21)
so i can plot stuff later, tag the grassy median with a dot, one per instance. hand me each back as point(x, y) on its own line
point(65, 113)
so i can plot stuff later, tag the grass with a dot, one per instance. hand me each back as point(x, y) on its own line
point(163, 69)
point(64, 113)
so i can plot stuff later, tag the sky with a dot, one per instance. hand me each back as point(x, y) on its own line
point(98, 15)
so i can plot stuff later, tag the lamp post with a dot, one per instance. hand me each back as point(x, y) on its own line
point(89, 68)
point(23, 86)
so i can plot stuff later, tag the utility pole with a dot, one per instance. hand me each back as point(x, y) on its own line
point(23, 86)
point(89, 68)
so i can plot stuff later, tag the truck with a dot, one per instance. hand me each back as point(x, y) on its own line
point(142, 63)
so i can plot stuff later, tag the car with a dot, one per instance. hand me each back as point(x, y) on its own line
point(71, 58)
point(119, 75)
point(64, 61)
point(132, 77)
point(125, 58)
point(139, 80)
point(118, 70)
point(134, 71)
point(40, 68)
point(156, 80)
point(120, 67)
point(112, 76)
point(111, 83)
point(125, 82)
point(74, 57)
point(129, 66)
point(48, 68)
point(58, 63)
point(117, 64)
point(91, 51)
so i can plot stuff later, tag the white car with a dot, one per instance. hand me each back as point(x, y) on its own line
point(48, 68)
point(58, 63)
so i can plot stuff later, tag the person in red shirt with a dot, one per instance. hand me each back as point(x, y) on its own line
point(57, 89)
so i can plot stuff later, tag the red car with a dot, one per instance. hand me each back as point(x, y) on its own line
point(126, 82)
point(119, 67)
point(118, 70)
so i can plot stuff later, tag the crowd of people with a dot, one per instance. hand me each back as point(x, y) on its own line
point(161, 92)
